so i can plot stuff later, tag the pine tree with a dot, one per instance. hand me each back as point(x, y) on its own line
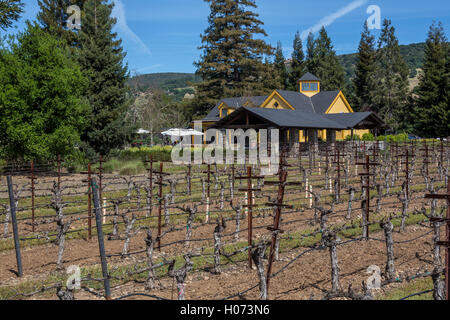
point(311, 61)
point(270, 79)
point(365, 68)
point(53, 18)
point(390, 80)
point(232, 61)
point(326, 64)
point(432, 111)
point(280, 67)
point(10, 11)
point(101, 57)
point(298, 63)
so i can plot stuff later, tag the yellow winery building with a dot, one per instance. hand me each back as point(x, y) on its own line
point(308, 114)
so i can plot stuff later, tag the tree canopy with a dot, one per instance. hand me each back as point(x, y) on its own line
point(432, 103)
point(53, 18)
point(297, 64)
point(365, 68)
point(280, 67)
point(323, 62)
point(101, 58)
point(233, 54)
point(390, 87)
point(10, 11)
point(41, 97)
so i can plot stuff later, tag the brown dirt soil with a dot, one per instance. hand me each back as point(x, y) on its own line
point(304, 279)
point(307, 278)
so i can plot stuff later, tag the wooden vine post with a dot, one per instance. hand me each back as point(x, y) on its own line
point(208, 192)
point(32, 178)
point(445, 243)
point(366, 186)
point(160, 184)
point(406, 163)
point(59, 171)
point(426, 155)
point(150, 161)
point(337, 162)
point(189, 179)
point(279, 205)
point(249, 190)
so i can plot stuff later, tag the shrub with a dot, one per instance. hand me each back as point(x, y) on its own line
point(132, 168)
point(2, 165)
point(158, 153)
point(368, 137)
point(349, 138)
point(111, 165)
point(402, 137)
point(76, 161)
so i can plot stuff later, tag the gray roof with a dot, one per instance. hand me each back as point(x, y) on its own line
point(323, 100)
point(318, 103)
point(233, 103)
point(258, 100)
point(309, 77)
point(350, 120)
point(288, 118)
point(213, 115)
point(309, 111)
point(298, 100)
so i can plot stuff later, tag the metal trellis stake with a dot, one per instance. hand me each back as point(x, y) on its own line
point(101, 244)
point(12, 203)
point(89, 203)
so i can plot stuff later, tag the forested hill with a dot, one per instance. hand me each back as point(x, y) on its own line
point(164, 81)
point(412, 53)
point(179, 83)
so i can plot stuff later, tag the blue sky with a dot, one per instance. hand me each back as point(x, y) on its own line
point(163, 35)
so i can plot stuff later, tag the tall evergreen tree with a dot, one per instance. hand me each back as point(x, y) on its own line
point(53, 18)
point(432, 104)
point(232, 61)
point(390, 87)
point(365, 68)
point(311, 61)
point(10, 11)
point(326, 64)
point(280, 67)
point(298, 63)
point(101, 57)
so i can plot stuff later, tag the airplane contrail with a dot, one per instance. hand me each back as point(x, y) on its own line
point(328, 20)
point(119, 13)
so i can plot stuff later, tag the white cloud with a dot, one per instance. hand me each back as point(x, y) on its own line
point(125, 31)
point(328, 20)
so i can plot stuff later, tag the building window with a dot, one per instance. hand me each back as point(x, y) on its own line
point(276, 104)
point(310, 86)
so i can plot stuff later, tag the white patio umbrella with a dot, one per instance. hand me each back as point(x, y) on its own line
point(181, 132)
point(142, 131)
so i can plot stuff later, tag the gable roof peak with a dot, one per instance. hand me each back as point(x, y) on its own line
point(309, 77)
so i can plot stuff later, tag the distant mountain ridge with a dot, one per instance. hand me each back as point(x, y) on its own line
point(180, 83)
point(414, 55)
point(167, 81)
